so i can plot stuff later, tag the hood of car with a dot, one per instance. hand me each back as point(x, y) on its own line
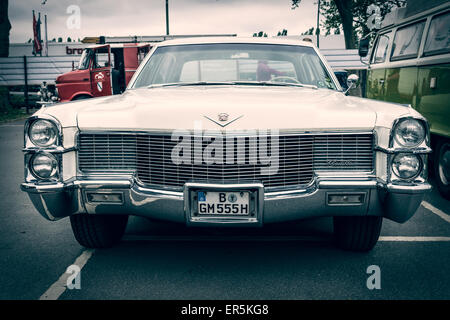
point(72, 76)
point(222, 108)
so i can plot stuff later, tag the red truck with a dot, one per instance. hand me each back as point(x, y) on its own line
point(103, 70)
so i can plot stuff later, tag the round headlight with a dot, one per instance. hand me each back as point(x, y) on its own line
point(44, 166)
point(43, 133)
point(406, 166)
point(409, 133)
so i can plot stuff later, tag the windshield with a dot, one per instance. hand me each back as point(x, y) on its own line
point(235, 64)
point(85, 59)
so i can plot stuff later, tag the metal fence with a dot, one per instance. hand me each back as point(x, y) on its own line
point(343, 59)
point(16, 71)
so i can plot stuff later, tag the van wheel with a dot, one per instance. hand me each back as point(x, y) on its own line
point(82, 97)
point(357, 233)
point(441, 167)
point(98, 231)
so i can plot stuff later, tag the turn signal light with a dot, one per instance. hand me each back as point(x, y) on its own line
point(94, 197)
point(346, 199)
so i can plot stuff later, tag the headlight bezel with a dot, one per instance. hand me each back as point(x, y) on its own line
point(397, 177)
point(28, 141)
point(55, 170)
point(52, 139)
point(395, 143)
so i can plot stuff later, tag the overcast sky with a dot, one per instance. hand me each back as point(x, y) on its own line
point(147, 17)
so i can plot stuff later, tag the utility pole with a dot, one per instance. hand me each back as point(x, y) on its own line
point(167, 17)
point(318, 22)
point(45, 31)
point(45, 36)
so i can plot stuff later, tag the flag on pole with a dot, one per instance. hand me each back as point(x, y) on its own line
point(37, 47)
point(38, 27)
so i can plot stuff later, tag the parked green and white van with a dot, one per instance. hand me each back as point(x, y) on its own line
point(410, 64)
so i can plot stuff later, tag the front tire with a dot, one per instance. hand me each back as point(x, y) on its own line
point(81, 97)
point(441, 167)
point(357, 233)
point(98, 231)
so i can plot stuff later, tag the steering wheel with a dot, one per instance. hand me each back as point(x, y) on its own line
point(289, 79)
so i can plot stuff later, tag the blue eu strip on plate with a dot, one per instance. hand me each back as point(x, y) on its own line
point(201, 196)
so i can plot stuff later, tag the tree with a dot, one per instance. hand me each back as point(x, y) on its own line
point(351, 16)
point(282, 33)
point(309, 32)
point(260, 34)
point(5, 26)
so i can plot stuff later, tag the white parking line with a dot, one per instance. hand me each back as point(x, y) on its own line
point(273, 238)
point(415, 239)
point(58, 288)
point(436, 211)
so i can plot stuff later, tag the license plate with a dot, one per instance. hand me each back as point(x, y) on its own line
point(223, 203)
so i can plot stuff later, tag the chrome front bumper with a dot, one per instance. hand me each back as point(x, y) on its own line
point(395, 202)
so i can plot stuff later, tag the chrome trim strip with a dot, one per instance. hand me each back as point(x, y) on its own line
point(281, 132)
point(404, 150)
point(43, 188)
point(371, 184)
point(408, 189)
point(128, 184)
point(58, 149)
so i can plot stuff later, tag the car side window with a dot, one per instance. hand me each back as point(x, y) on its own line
point(438, 38)
point(381, 48)
point(407, 41)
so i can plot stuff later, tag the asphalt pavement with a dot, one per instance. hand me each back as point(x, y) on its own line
point(168, 261)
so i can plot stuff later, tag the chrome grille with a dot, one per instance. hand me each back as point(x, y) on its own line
point(343, 152)
point(149, 156)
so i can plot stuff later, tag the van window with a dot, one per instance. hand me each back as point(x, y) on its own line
point(407, 41)
point(101, 59)
point(381, 48)
point(438, 38)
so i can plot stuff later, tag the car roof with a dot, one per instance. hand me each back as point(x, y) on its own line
point(249, 40)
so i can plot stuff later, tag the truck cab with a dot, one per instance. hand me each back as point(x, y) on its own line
point(102, 70)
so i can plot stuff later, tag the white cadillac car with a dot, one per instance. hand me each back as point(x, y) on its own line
point(228, 132)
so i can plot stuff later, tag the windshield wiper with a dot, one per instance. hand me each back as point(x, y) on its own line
point(246, 82)
point(274, 83)
point(196, 83)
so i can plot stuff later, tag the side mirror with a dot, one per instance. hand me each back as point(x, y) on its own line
point(363, 49)
point(352, 82)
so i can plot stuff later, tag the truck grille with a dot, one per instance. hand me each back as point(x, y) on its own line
point(149, 156)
